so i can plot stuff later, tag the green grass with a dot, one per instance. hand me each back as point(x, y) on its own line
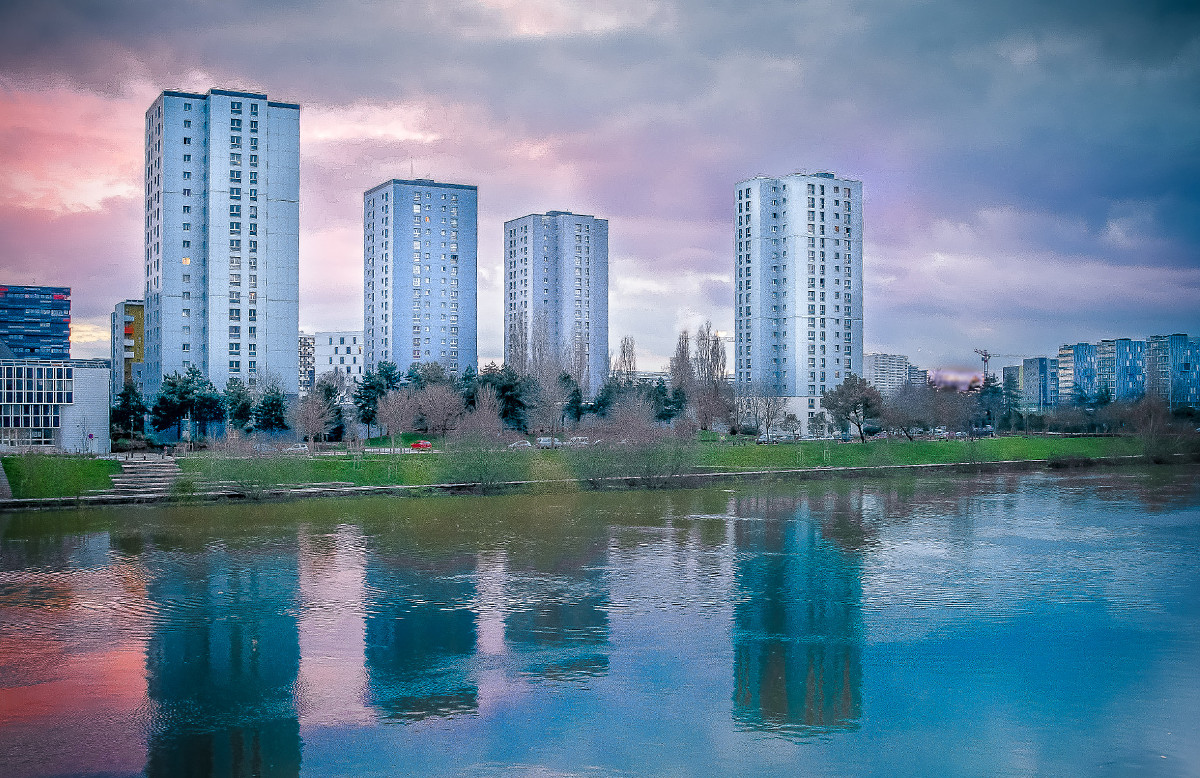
point(268, 472)
point(904, 452)
point(422, 469)
point(50, 475)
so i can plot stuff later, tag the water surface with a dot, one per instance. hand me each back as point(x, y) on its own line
point(1016, 625)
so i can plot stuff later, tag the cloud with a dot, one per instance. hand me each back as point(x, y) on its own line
point(1041, 157)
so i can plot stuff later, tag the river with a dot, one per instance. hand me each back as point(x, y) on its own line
point(1031, 624)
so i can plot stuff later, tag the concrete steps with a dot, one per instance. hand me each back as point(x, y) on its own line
point(145, 477)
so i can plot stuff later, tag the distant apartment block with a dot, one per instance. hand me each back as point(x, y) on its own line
point(1077, 373)
point(307, 354)
point(886, 372)
point(222, 180)
point(917, 375)
point(798, 316)
point(339, 352)
point(1121, 368)
point(556, 293)
point(1173, 369)
point(420, 259)
point(128, 345)
point(1039, 384)
point(35, 321)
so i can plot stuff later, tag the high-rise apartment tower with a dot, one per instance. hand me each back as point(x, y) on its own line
point(556, 293)
point(798, 316)
point(420, 258)
point(222, 248)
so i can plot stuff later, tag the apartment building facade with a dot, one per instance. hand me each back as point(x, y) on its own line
point(222, 188)
point(420, 264)
point(556, 293)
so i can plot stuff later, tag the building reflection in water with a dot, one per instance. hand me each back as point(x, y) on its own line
point(420, 634)
point(222, 660)
point(557, 622)
point(798, 615)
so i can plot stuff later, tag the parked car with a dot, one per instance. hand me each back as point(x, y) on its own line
point(578, 441)
point(520, 444)
point(549, 443)
point(296, 448)
point(763, 438)
point(421, 445)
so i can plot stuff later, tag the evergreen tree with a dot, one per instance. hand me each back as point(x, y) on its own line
point(270, 415)
point(170, 404)
point(366, 398)
point(239, 404)
point(129, 412)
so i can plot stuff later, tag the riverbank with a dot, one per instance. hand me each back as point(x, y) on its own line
point(550, 475)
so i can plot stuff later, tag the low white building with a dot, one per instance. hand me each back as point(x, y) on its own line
point(339, 352)
point(51, 404)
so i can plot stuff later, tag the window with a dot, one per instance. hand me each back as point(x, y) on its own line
point(187, 226)
point(235, 176)
point(235, 366)
point(186, 312)
point(187, 157)
point(235, 314)
point(235, 106)
point(187, 175)
point(187, 141)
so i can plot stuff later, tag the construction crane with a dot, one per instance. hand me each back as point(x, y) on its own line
point(986, 355)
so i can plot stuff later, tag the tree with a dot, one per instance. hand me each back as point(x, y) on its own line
point(820, 426)
point(680, 368)
point(388, 375)
point(512, 392)
point(625, 370)
point(440, 406)
point(270, 414)
point(909, 407)
point(853, 401)
point(366, 397)
point(423, 374)
point(129, 413)
point(207, 405)
point(331, 387)
point(712, 396)
point(396, 411)
point(170, 404)
point(239, 405)
point(313, 417)
point(764, 404)
point(482, 422)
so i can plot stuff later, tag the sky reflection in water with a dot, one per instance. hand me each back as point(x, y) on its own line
point(1035, 624)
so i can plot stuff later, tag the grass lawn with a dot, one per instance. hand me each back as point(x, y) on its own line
point(266, 472)
point(904, 452)
point(420, 469)
point(49, 475)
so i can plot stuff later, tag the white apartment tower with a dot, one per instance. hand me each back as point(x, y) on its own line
point(420, 258)
point(798, 319)
point(222, 237)
point(556, 290)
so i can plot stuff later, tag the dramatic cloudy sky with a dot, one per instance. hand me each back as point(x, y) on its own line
point(1031, 169)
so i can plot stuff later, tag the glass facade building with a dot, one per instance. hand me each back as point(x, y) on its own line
point(35, 321)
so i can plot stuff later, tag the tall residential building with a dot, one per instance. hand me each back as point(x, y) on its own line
point(798, 317)
point(1076, 373)
point(1172, 372)
point(556, 293)
point(420, 258)
point(35, 321)
point(128, 345)
point(222, 257)
point(1121, 368)
point(1039, 384)
point(339, 352)
point(886, 372)
point(917, 375)
point(308, 371)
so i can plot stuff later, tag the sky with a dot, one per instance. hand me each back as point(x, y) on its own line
point(1031, 170)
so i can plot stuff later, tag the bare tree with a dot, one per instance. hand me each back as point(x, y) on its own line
point(712, 396)
point(680, 368)
point(911, 406)
point(516, 355)
point(764, 404)
point(396, 411)
point(440, 405)
point(625, 371)
point(313, 417)
point(483, 421)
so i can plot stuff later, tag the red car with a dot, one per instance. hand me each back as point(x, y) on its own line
point(421, 445)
